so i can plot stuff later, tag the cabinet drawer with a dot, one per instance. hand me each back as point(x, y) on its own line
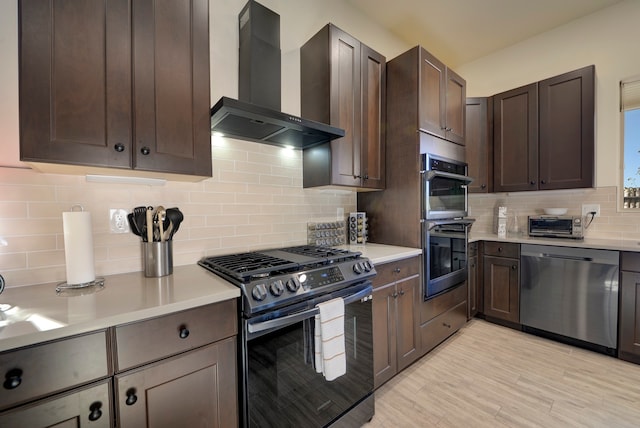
point(53, 366)
point(58, 411)
point(440, 304)
point(156, 338)
point(393, 271)
point(443, 326)
point(502, 249)
point(630, 261)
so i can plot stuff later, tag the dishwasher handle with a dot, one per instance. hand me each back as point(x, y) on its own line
point(566, 257)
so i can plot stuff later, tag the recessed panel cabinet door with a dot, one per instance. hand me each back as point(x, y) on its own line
point(373, 118)
point(171, 83)
point(455, 107)
point(432, 89)
point(194, 389)
point(75, 82)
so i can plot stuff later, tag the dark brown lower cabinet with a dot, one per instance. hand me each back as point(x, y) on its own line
point(629, 312)
point(442, 316)
point(501, 272)
point(191, 389)
point(89, 406)
point(395, 318)
point(474, 284)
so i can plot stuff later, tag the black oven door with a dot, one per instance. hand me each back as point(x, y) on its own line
point(279, 384)
point(445, 255)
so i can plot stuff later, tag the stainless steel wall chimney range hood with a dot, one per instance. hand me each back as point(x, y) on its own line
point(256, 116)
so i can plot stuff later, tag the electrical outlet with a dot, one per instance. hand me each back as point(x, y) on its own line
point(118, 220)
point(588, 208)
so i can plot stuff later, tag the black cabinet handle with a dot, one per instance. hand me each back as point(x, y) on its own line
point(397, 270)
point(131, 397)
point(542, 182)
point(12, 379)
point(145, 150)
point(483, 186)
point(446, 325)
point(532, 182)
point(119, 147)
point(401, 292)
point(96, 413)
point(514, 267)
point(394, 295)
point(499, 249)
point(184, 332)
point(366, 176)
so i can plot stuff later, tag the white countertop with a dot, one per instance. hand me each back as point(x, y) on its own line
point(601, 244)
point(33, 314)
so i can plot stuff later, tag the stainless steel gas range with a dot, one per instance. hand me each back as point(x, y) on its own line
point(280, 385)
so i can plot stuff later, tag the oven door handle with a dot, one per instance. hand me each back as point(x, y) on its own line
point(464, 221)
point(429, 175)
point(301, 316)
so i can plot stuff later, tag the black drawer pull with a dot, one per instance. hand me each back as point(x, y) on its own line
point(96, 413)
point(184, 332)
point(12, 379)
point(132, 398)
point(446, 325)
point(514, 267)
point(145, 150)
point(119, 147)
point(397, 270)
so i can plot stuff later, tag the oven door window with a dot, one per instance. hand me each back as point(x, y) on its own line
point(284, 389)
point(446, 194)
point(445, 258)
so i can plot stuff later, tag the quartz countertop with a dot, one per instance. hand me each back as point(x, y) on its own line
point(379, 253)
point(34, 314)
point(601, 244)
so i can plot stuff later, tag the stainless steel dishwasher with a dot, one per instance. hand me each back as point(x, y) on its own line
point(571, 292)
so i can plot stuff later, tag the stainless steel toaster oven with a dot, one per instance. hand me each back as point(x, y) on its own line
point(556, 226)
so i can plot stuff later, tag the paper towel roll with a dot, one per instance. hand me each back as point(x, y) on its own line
point(78, 247)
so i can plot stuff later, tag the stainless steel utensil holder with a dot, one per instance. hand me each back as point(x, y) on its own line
point(157, 258)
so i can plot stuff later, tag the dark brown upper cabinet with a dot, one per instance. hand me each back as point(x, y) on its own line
point(116, 84)
point(343, 83)
point(544, 134)
point(442, 99)
point(479, 143)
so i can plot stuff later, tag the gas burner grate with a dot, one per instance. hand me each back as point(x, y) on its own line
point(322, 252)
point(244, 266)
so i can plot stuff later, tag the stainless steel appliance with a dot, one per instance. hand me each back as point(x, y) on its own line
point(556, 226)
point(571, 293)
point(445, 226)
point(445, 254)
point(444, 187)
point(280, 288)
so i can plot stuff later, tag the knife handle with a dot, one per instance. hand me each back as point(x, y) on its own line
point(149, 225)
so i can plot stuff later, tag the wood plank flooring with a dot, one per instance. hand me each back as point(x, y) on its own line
point(492, 376)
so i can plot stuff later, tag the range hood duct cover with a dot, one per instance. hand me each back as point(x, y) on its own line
point(256, 116)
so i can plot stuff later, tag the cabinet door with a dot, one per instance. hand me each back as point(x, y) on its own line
point(346, 108)
point(75, 82)
point(384, 334)
point(501, 288)
point(629, 343)
point(456, 95)
point(515, 140)
point(84, 407)
point(373, 118)
point(474, 292)
point(200, 385)
point(171, 81)
point(479, 143)
point(408, 326)
point(432, 90)
point(567, 130)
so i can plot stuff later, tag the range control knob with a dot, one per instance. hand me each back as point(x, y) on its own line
point(259, 292)
point(276, 287)
point(293, 284)
point(358, 268)
point(367, 266)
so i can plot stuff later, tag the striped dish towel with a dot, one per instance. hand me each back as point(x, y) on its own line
point(330, 357)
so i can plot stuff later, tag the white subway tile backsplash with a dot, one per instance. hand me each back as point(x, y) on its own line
point(253, 201)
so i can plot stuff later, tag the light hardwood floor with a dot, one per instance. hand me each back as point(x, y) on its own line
point(492, 376)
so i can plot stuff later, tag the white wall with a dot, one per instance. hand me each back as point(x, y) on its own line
point(608, 39)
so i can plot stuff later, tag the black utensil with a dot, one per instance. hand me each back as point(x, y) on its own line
point(140, 217)
point(132, 224)
point(175, 217)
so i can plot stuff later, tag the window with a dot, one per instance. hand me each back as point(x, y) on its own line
point(630, 107)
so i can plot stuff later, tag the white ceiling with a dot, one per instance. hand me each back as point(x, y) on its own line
point(459, 31)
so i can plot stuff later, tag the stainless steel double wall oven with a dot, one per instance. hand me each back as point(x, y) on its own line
point(445, 225)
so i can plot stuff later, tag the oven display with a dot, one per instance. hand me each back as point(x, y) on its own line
point(320, 278)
